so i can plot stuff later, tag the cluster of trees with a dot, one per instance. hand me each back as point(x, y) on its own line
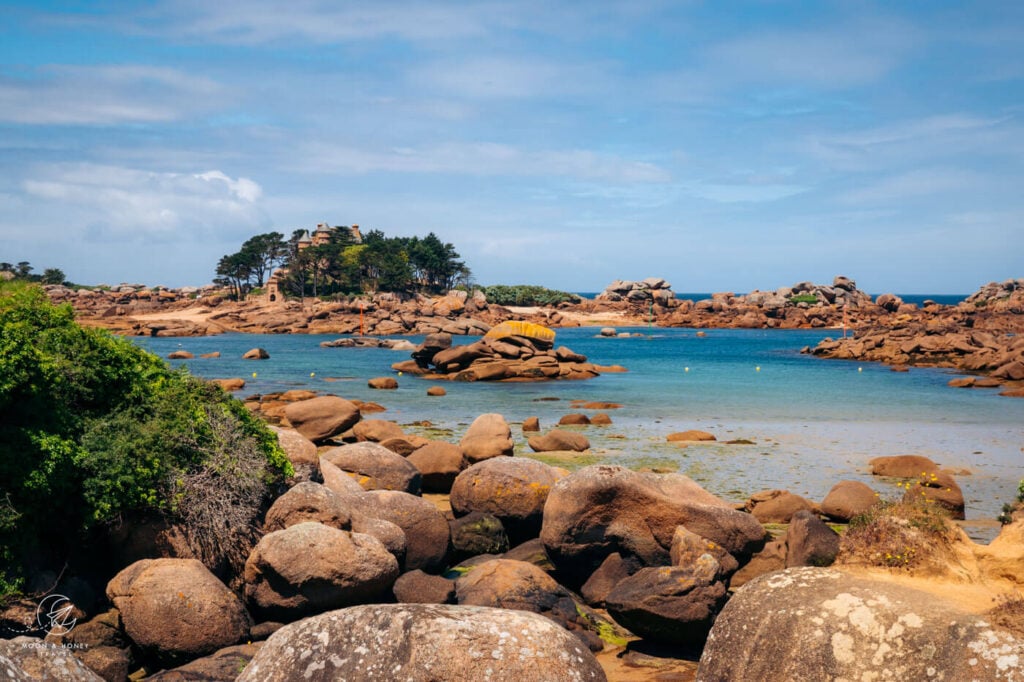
point(344, 264)
point(93, 429)
point(23, 270)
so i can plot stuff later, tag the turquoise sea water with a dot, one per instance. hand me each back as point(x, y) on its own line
point(813, 422)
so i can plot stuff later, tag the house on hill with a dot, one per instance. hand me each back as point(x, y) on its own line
point(321, 235)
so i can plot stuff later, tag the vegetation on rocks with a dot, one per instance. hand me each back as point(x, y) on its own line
point(526, 295)
point(93, 428)
point(897, 535)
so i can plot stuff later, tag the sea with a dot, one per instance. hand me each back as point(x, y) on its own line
point(800, 423)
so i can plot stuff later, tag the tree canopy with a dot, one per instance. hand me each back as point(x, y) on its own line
point(344, 264)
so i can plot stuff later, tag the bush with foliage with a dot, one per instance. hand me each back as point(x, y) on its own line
point(93, 428)
point(899, 534)
point(803, 298)
point(526, 294)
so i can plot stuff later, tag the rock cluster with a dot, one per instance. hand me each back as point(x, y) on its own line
point(801, 305)
point(979, 336)
point(651, 290)
point(511, 356)
point(138, 311)
point(522, 556)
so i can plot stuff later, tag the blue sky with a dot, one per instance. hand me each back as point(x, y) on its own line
point(720, 145)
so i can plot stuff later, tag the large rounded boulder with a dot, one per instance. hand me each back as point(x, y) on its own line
point(488, 436)
point(176, 608)
point(514, 489)
point(603, 509)
point(510, 584)
point(423, 642)
point(559, 440)
point(823, 624)
point(426, 528)
point(375, 467)
point(320, 419)
point(310, 568)
point(848, 499)
point(438, 463)
point(309, 502)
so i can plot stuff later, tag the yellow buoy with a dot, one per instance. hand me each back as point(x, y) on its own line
point(860, 369)
point(686, 369)
point(399, 374)
point(254, 375)
point(758, 368)
point(312, 374)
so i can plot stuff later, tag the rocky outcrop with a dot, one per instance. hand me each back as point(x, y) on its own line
point(516, 355)
point(825, 624)
point(981, 335)
point(650, 291)
point(802, 305)
point(175, 608)
point(420, 642)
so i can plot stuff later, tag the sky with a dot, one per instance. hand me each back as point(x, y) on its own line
point(723, 146)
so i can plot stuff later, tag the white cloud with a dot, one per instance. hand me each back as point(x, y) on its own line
point(103, 95)
point(513, 77)
point(320, 21)
point(114, 203)
point(483, 158)
point(849, 54)
point(243, 188)
point(916, 183)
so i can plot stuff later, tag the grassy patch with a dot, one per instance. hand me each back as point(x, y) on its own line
point(898, 535)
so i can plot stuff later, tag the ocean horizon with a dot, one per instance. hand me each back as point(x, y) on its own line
point(811, 422)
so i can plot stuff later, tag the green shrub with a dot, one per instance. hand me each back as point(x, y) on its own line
point(803, 298)
point(93, 428)
point(526, 295)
